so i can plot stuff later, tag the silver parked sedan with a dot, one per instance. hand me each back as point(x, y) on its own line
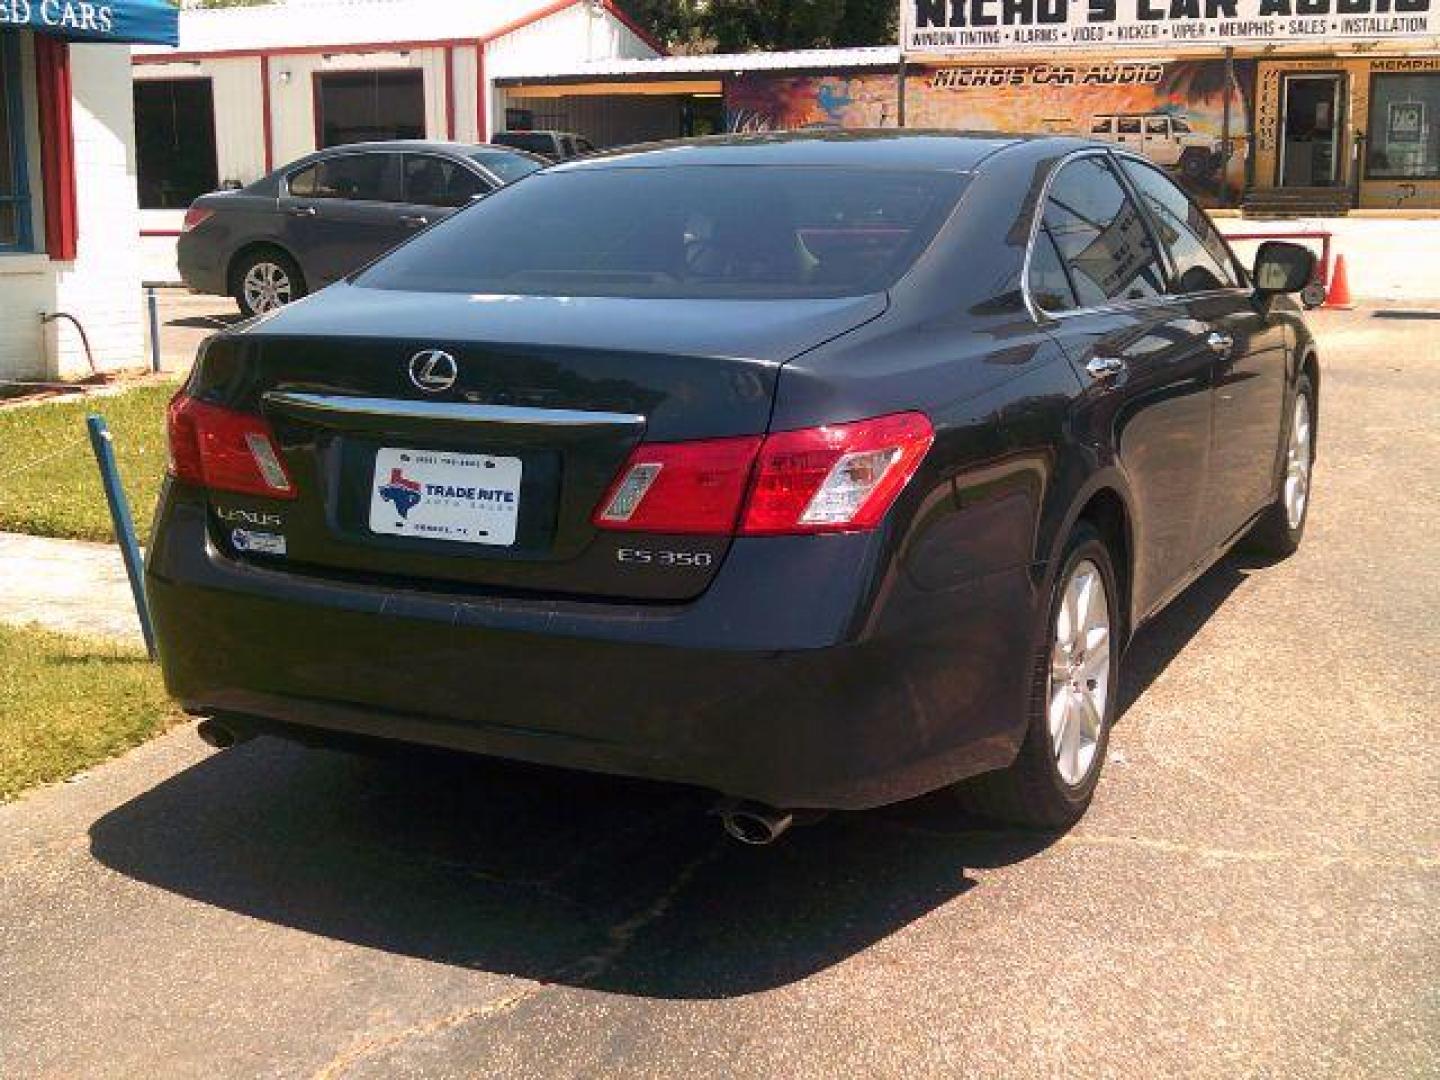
point(326, 215)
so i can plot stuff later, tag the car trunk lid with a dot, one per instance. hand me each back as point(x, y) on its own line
point(465, 441)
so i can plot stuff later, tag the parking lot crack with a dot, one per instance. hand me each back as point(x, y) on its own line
point(377, 1044)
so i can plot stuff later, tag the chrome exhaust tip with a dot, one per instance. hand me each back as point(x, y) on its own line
point(754, 823)
point(213, 733)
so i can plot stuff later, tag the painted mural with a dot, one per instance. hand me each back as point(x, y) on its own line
point(761, 102)
point(1172, 112)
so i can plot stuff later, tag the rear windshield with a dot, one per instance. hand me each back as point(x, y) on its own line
point(752, 232)
point(507, 167)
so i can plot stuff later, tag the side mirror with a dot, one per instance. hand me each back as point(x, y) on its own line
point(1282, 268)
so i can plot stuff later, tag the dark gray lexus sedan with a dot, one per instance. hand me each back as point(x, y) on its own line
point(326, 215)
point(816, 470)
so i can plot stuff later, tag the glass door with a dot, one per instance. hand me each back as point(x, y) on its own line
point(1310, 130)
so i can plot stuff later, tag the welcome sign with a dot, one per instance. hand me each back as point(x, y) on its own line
point(941, 27)
point(156, 22)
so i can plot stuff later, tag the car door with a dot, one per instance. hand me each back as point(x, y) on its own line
point(342, 211)
point(434, 187)
point(1098, 279)
point(1248, 352)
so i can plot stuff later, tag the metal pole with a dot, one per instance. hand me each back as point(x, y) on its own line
point(103, 443)
point(900, 93)
point(1225, 128)
point(153, 303)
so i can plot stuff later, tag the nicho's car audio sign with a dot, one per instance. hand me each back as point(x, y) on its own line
point(938, 27)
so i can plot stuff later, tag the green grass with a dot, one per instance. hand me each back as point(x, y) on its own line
point(68, 703)
point(49, 485)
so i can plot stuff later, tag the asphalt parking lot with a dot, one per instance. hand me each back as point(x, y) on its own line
point(1254, 892)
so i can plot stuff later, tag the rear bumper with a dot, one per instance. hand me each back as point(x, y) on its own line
point(201, 263)
point(788, 682)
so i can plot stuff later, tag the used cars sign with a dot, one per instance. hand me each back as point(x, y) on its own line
point(939, 27)
point(152, 21)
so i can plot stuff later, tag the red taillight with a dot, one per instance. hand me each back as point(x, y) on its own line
point(225, 450)
point(195, 217)
point(837, 478)
point(688, 487)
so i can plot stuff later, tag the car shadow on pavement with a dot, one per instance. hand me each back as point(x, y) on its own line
point(207, 322)
point(558, 877)
point(1160, 641)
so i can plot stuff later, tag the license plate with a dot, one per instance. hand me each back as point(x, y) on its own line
point(436, 495)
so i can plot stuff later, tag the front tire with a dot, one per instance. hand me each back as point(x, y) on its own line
point(265, 280)
point(1281, 528)
point(1072, 698)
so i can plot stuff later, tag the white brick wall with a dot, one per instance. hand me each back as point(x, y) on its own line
point(101, 287)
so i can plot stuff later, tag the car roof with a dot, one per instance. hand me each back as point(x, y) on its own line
point(910, 148)
point(432, 146)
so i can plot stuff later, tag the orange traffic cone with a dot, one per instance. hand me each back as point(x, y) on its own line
point(1337, 297)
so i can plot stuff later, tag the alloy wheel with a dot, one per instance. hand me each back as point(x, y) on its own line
point(267, 287)
point(1079, 688)
point(1298, 462)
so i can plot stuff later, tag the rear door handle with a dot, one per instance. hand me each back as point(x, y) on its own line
point(1220, 344)
point(302, 211)
point(415, 221)
point(1105, 367)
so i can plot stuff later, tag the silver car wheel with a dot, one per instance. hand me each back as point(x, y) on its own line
point(267, 287)
point(1079, 688)
point(1299, 459)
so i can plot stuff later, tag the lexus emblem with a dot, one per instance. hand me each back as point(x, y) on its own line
point(434, 371)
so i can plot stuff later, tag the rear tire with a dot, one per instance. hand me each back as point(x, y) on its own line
point(1281, 528)
point(265, 280)
point(1073, 691)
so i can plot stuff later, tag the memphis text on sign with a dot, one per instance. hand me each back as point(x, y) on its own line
point(953, 26)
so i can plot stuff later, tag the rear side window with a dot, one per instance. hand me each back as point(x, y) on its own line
point(1157, 125)
point(435, 181)
point(753, 232)
point(506, 166)
point(1128, 125)
point(356, 177)
point(1049, 283)
point(1202, 260)
point(1103, 125)
point(1100, 236)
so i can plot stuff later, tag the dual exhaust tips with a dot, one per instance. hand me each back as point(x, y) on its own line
point(750, 823)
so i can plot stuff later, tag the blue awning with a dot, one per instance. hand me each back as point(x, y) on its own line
point(156, 22)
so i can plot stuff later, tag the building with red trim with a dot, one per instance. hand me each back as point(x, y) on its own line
point(69, 260)
point(252, 88)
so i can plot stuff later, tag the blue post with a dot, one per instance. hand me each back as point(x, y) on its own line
point(103, 443)
point(153, 303)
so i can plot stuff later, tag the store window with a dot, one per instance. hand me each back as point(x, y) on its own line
point(175, 142)
point(1404, 135)
point(369, 106)
point(14, 187)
